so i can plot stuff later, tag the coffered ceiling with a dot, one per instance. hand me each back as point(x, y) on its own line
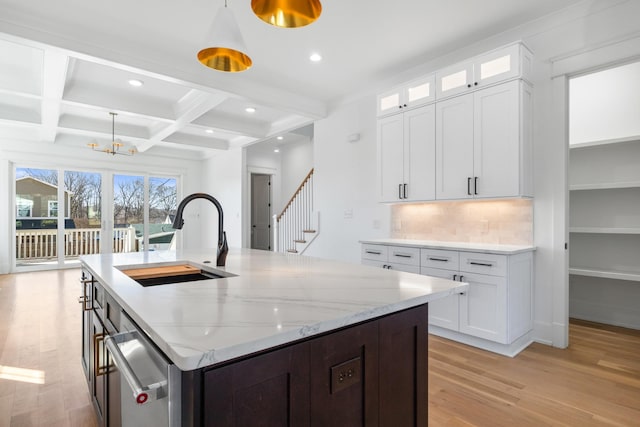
point(65, 64)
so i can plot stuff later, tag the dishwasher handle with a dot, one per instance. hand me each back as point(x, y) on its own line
point(141, 393)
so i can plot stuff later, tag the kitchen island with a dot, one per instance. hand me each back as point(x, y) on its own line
point(276, 340)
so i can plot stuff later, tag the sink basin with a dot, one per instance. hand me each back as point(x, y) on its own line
point(166, 274)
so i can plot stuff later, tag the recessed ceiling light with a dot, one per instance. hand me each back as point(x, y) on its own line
point(136, 83)
point(209, 131)
point(280, 138)
point(277, 150)
point(315, 57)
point(250, 110)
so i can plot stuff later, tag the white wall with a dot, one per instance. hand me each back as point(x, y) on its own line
point(297, 161)
point(344, 183)
point(223, 178)
point(605, 105)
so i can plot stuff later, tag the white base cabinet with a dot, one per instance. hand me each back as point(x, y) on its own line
point(392, 257)
point(495, 313)
point(498, 303)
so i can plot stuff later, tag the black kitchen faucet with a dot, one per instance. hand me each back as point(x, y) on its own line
point(178, 222)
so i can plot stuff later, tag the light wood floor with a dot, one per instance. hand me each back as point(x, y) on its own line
point(595, 382)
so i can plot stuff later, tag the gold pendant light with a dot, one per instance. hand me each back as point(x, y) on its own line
point(228, 51)
point(287, 13)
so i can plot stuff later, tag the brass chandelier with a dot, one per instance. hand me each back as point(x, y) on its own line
point(116, 146)
point(228, 52)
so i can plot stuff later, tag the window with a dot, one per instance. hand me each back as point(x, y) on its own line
point(24, 208)
point(52, 208)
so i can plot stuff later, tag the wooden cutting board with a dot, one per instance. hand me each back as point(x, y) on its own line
point(167, 270)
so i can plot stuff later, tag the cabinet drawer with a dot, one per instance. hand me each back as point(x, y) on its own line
point(374, 263)
point(374, 252)
point(494, 265)
point(404, 267)
point(98, 296)
point(438, 272)
point(402, 255)
point(438, 258)
point(112, 314)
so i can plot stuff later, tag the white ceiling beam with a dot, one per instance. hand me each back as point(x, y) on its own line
point(54, 77)
point(194, 104)
point(79, 47)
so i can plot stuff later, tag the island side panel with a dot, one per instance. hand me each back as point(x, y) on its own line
point(403, 372)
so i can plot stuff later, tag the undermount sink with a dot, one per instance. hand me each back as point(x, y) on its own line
point(154, 275)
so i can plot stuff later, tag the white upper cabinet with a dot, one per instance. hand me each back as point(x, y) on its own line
point(409, 95)
point(406, 147)
point(499, 65)
point(483, 144)
point(473, 145)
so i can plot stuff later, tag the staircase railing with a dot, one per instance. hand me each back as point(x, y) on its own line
point(296, 218)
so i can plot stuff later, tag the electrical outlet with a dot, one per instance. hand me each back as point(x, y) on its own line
point(345, 374)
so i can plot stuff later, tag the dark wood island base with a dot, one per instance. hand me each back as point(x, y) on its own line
point(369, 374)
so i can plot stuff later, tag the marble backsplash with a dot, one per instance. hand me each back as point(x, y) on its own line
point(508, 222)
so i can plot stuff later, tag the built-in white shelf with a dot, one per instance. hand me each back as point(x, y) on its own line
point(606, 274)
point(605, 230)
point(604, 142)
point(604, 185)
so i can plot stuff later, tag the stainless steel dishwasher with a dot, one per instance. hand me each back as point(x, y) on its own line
point(149, 382)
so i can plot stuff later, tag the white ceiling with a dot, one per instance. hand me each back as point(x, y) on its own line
point(64, 65)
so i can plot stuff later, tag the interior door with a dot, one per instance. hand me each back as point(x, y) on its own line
point(261, 212)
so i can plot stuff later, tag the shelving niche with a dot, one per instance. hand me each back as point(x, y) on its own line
point(604, 256)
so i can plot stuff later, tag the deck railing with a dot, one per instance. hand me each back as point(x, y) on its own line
point(42, 244)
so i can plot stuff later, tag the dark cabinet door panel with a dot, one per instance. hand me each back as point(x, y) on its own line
point(271, 389)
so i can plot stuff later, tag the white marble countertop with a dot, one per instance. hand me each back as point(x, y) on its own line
point(486, 248)
point(274, 299)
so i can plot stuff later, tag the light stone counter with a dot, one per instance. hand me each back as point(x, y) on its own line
point(486, 248)
point(273, 299)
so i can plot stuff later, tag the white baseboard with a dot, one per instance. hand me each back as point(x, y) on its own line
point(510, 350)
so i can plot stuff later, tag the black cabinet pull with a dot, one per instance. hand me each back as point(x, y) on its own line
point(403, 255)
point(399, 106)
point(475, 185)
point(404, 192)
point(469, 85)
point(475, 84)
point(461, 277)
point(399, 191)
point(483, 264)
point(469, 186)
point(455, 276)
point(438, 259)
point(374, 252)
